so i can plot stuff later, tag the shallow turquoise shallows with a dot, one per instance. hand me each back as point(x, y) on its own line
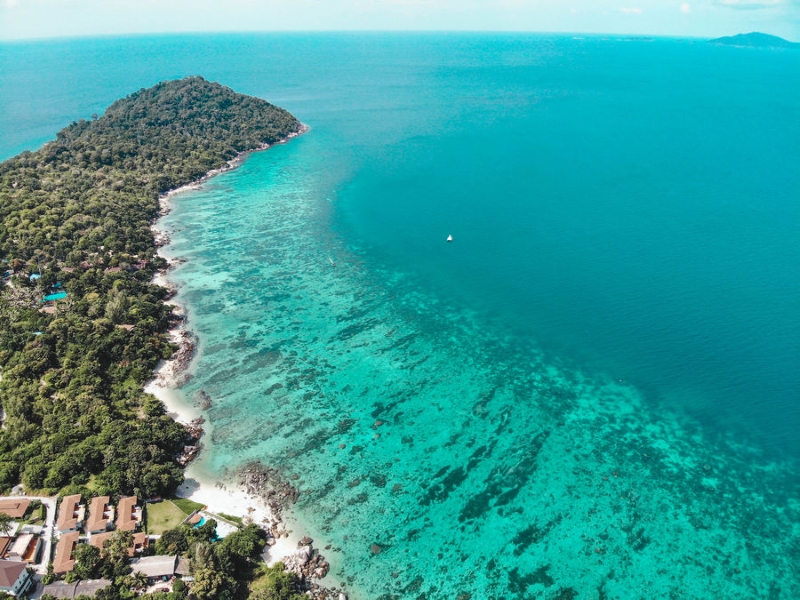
point(592, 391)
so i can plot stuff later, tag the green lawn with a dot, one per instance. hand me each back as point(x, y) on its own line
point(162, 516)
point(187, 506)
point(237, 520)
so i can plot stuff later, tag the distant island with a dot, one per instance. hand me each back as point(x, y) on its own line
point(755, 40)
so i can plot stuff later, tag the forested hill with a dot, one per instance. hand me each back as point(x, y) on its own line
point(755, 40)
point(81, 329)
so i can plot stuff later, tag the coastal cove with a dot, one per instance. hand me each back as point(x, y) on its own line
point(589, 393)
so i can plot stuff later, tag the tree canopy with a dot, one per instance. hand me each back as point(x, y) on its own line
point(81, 327)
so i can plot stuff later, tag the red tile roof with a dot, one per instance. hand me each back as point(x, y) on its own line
point(98, 519)
point(126, 514)
point(140, 541)
point(14, 508)
point(64, 549)
point(98, 539)
point(10, 570)
point(67, 514)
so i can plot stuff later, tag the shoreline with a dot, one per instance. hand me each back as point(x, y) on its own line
point(224, 495)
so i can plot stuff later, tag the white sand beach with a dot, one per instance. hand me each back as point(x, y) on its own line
point(218, 496)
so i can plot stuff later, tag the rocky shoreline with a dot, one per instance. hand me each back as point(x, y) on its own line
point(277, 493)
point(253, 480)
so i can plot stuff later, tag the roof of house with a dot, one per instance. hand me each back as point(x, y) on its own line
point(21, 544)
point(90, 587)
point(140, 539)
point(59, 589)
point(125, 517)
point(97, 509)
point(10, 570)
point(155, 566)
point(98, 539)
point(184, 566)
point(29, 550)
point(5, 542)
point(66, 513)
point(66, 544)
point(14, 508)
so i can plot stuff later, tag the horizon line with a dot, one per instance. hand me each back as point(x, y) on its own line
point(85, 36)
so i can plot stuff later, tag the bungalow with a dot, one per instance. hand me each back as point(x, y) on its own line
point(183, 569)
point(156, 568)
point(98, 539)
point(77, 589)
point(25, 548)
point(140, 542)
point(70, 514)
point(14, 508)
point(14, 577)
point(64, 562)
point(101, 514)
point(129, 516)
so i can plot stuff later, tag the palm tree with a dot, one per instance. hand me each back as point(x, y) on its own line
point(5, 523)
point(139, 581)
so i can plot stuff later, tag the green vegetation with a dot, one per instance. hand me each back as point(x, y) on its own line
point(76, 213)
point(187, 506)
point(221, 569)
point(5, 523)
point(274, 583)
point(36, 513)
point(162, 516)
point(168, 514)
point(232, 519)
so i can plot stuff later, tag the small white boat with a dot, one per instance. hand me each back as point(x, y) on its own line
point(449, 238)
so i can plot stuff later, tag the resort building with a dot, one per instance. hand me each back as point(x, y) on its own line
point(82, 588)
point(14, 508)
point(70, 514)
point(14, 577)
point(140, 542)
point(129, 516)
point(64, 561)
point(101, 515)
point(25, 548)
point(156, 568)
point(5, 544)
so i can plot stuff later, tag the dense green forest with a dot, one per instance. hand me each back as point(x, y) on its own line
point(75, 219)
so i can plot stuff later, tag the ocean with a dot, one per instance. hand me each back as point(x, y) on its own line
point(592, 392)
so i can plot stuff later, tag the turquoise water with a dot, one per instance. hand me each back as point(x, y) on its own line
point(592, 391)
point(56, 296)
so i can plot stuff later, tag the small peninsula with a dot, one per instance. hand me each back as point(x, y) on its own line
point(83, 326)
point(755, 40)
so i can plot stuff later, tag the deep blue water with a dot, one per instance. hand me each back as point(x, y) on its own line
point(623, 212)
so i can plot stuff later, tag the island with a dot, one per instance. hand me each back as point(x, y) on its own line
point(82, 328)
point(755, 39)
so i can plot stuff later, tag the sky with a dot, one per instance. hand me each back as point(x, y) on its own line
point(26, 19)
